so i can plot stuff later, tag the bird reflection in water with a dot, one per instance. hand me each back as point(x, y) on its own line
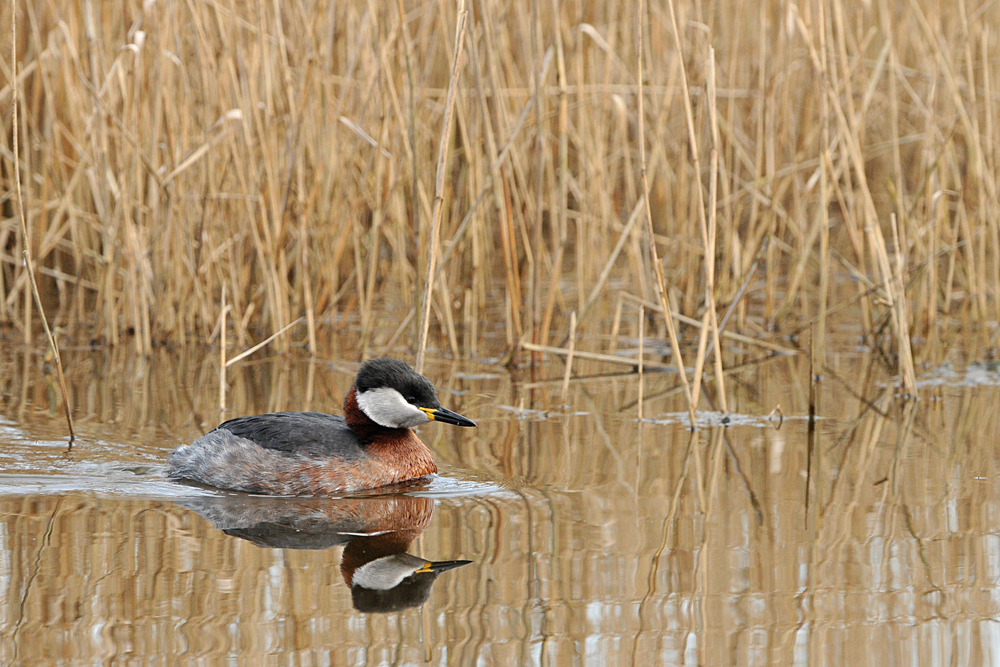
point(375, 533)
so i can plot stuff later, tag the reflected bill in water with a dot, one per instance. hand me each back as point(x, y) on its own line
point(376, 533)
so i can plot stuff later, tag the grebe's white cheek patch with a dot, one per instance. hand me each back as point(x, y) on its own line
point(386, 407)
point(383, 574)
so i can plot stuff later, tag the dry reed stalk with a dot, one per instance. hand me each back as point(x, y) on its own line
point(819, 347)
point(661, 285)
point(710, 248)
point(560, 204)
point(988, 196)
point(446, 317)
point(399, 330)
point(143, 204)
point(26, 240)
point(990, 133)
point(693, 144)
point(538, 151)
point(500, 161)
point(595, 356)
point(307, 286)
point(890, 60)
point(737, 301)
point(896, 299)
point(502, 211)
point(439, 185)
point(699, 359)
point(411, 128)
point(767, 345)
point(222, 356)
point(902, 314)
point(246, 353)
point(616, 325)
point(733, 370)
point(642, 352)
point(626, 234)
point(569, 356)
point(580, 379)
point(812, 438)
point(515, 204)
point(374, 235)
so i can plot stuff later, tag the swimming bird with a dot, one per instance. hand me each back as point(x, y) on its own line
point(311, 453)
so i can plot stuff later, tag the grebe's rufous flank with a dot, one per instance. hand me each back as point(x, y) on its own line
point(311, 453)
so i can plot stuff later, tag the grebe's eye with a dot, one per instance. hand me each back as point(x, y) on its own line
point(411, 399)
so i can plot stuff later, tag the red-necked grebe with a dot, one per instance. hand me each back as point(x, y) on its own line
point(311, 453)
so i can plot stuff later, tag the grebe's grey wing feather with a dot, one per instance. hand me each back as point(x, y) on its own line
point(309, 433)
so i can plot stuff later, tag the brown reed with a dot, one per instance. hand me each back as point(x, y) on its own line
point(291, 153)
point(26, 250)
point(661, 285)
point(439, 186)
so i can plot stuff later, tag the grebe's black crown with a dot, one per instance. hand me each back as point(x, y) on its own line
point(396, 374)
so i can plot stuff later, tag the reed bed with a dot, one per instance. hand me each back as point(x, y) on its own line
point(798, 167)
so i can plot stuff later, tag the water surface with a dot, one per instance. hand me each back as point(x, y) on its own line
point(594, 538)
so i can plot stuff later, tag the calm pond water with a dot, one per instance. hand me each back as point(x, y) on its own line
point(592, 538)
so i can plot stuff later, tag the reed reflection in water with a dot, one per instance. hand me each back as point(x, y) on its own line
point(611, 541)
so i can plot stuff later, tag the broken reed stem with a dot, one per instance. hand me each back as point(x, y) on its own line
point(661, 284)
point(569, 357)
point(25, 241)
point(399, 330)
point(690, 321)
point(596, 356)
point(247, 353)
point(439, 186)
point(625, 235)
